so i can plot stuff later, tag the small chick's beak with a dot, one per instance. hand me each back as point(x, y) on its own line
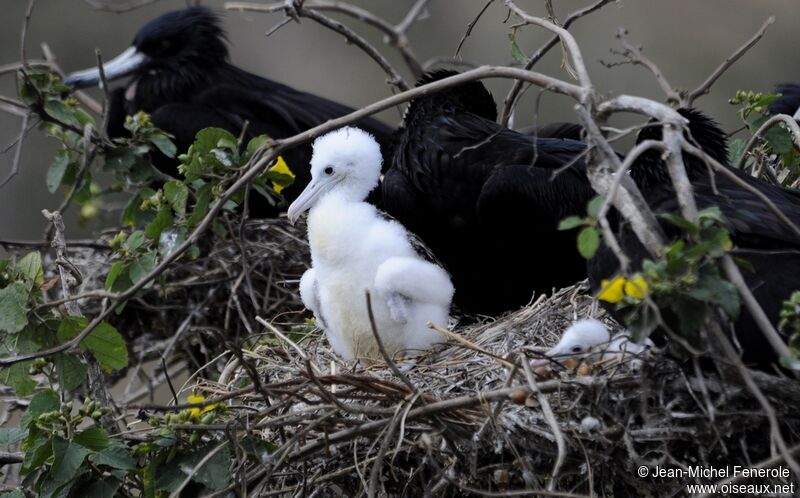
point(554, 352)
point(122, 65)
point(309, 196)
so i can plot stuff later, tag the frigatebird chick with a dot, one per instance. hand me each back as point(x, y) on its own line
point(788, 102)
point(589, 340)
point(180, 74)
point(355, 250)
point(487, 200)
point(771, 249)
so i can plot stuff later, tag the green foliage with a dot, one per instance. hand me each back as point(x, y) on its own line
point(686, 283)
point(589, 235)
point(28, 325)
point(67, 452)
point(774, 149)
point(790, 324)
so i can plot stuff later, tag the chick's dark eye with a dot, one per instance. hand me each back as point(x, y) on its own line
point(577, 349)
point(328, 170)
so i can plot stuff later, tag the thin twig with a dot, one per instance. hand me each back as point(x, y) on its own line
point(18, 151)
point(727, 63)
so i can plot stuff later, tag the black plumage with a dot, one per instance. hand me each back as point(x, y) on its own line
point(760, 238)
point(181, 75)
point(485, 199)
point(788, 102)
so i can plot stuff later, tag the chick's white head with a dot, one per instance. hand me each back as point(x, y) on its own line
point(579, 338)
point(347, 162)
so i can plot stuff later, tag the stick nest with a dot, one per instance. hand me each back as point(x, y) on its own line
point(467, 417)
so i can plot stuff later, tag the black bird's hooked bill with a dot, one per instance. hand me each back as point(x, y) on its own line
point(180, 74)
point(487, 200)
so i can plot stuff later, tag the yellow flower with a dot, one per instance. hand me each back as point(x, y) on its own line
point(637, 287)
point(196, 412)
point(616, 289)
point(612, 291)
point(282, 168)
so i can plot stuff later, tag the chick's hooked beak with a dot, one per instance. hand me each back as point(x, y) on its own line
point(122, 65)
point(310, 195)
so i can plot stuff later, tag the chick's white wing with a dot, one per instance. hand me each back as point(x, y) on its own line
point(309, 294)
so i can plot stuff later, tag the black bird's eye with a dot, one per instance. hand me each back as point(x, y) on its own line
point(577, 349)
point(328, 170)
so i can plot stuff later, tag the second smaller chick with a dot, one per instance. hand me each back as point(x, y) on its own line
point(590, 340)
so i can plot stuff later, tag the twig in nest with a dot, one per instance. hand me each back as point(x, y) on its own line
point(547, 411)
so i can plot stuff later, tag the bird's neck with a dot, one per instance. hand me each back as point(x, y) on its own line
point(174, 83)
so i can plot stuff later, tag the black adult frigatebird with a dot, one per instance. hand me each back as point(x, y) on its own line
point(486, 200)
point(180, 74)
point(770, 247)
point(788, 102)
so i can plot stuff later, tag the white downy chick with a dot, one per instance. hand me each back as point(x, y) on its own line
point(355, 249)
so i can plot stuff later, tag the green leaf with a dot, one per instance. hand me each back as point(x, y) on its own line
point(593, 208)
point(588, 241)
point(102, 488)
point(736, 149)
point(255, 144)
point(177, 193)
point(163, 220)
point(94, 438)
point(210, 138)
point(18, 377)
point(679, 222)
point(779, 139)
point(570, 222)
point(13, 435)
point(135, 240)
point(56, 171)
point(113, 274)
point(142, 266)
point(201, 206)
point(13, 494)
point(13, 308)
point(30, 268)
point(69, 457)
point(43, 402)
point(164, 144)
point(105, 343)
point(117, 456)
point(517, 52)
point(61, 112)
point(38, 451)
point(71, 371)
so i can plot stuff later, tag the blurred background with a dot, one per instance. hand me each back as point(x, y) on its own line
point(686, 38)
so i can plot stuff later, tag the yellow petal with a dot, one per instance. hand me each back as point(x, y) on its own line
point(612, 291)
point(637, 287)
point(283, 168)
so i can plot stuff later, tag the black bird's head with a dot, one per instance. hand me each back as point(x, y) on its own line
point(471, 97)
point(702, 131)
point(788, 102)
point(171, 42)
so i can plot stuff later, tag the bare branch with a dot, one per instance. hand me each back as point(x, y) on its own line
point(24, 34)
point(513, 94)
point(634, 56)
point(470, 26)
point(118, 7)
point(297, 8)
point(727, 63)
point(106, 95)
point(18, 152)
point(565, 36)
